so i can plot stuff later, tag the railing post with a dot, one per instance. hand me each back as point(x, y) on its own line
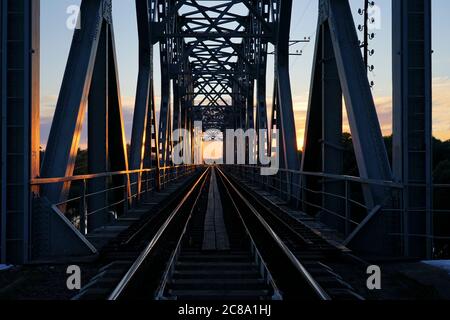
point(280, 182)
point(405, 225)
point(147, 179)
point(254, 175)
point(83, 209)
point(289, 186)
point(265, 181)
point(347, 210)
point(125, 195)
point(158, 179)
point(300, 190)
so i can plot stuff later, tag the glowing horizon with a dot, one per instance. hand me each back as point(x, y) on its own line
point(56, 40)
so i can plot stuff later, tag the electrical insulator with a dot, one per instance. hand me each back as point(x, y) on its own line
point(367, 36)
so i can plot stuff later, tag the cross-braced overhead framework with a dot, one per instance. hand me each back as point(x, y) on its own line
point(214, 52)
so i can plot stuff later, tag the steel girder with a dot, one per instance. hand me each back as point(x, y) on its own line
point(282, 111)
point(168, 21)
point(98, 133)
point(412, 121)
point(3, 172)
point(144, 150)
point(63, 142)
point(106, 135)
point(261, 121)
point(339, 69)
point(213, 52)
point(19, 78)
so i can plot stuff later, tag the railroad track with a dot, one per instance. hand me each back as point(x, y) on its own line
point(120, 254)
point(220, 243)
point(217, 266)
point(309, 248)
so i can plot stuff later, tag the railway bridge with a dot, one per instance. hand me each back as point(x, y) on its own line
point(158, 188)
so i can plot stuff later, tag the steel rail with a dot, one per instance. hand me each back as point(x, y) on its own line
point(169, 269)
point(319, 291)
point(128, 277)
point(258, 256)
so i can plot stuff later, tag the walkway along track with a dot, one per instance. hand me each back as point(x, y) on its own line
point(241, 272)
point(261, 260)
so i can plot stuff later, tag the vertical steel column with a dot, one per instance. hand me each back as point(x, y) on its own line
point(332, 151)
point(3, 145)
point(98, 134)
point(142, 102)
point(261, 116)
point(176, 119)
point(164, 113)
point(250, 121)
point(165, 61)
point(20, 124)
point(189, 113)
point(261, 71)
point(412, 121)
point(35, 51)
point(250, 118)
point(285, 112)
point(263, 9)
point(151, 159)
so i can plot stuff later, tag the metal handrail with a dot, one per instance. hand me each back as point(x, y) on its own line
point(148, 183)
point(294, 190)
point(302, 188)
point(342, 178)
point(43, 181)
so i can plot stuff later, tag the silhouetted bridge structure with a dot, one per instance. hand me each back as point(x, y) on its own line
point(213, 61)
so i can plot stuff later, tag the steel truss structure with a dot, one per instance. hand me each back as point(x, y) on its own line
point(339, 71)
point(214, 52)
point(213, 59)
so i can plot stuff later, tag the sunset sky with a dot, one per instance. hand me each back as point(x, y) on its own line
point(56, 38)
